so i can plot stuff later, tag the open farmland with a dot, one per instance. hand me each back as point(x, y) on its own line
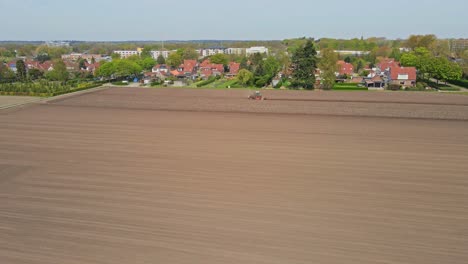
point(127, 175)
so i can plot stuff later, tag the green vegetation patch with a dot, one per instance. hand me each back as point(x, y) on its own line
point(44, 88)
point(348, 87)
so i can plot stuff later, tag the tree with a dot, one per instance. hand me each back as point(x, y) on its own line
point(93, 60)
point(396, 54)
point(161, 59)
point(59, 73)
point(6, 73)
point(256, 59)
point(245, 77)
point(174, 60)
point(43, 57)
point(115, 56)
point(418, 41)
point(329, 66)
point(35, 74)
point(126, 68)
point(21, 72)
point(146, 63)
point(82, 64)
point(244, 63)
point(304, 63)
point(219, 59)
point(347, 59)
point(145, 53)
point(190, 54)
point(106, 69)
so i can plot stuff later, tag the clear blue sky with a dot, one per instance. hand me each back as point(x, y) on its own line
point(235, 19)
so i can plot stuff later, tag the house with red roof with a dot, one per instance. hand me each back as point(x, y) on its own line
point(386, 64)
point(234, 68)
point(345, 68)
point(92, 67)
point(375, 82)
point(208, 69)
point(189, 66)
point(160, 68)
point(46, 66)
point(404, 76)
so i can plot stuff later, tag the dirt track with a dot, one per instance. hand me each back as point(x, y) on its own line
point(101, 178)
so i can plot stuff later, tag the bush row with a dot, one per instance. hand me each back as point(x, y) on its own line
point(206, 82)
point(44, 88)
point(462, 83)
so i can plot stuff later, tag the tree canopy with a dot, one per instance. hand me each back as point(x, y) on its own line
point(304, 64)
point(329, 65)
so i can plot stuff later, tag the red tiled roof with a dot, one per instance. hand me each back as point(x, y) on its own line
point(45, 66)
point(234, 68)
point(345, 68)
point(387, 64)
point(205, 63)
point(395, 72)
point(357, 80)
point(189, 65)
point(176, 73)
point(207, 72)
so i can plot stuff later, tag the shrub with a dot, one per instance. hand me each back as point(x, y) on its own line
point(206, 82)
point(462, 83)
point(394, 87)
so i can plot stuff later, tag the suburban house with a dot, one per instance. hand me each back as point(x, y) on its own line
point(161, 68)
point(345, 68)
point(189, 67)
point(12, 65)
point(92, 67)
point(234, 68)
point(207, 69)
point(71, 66)
point(404, 76)
point(387, 64)
point(375, 82)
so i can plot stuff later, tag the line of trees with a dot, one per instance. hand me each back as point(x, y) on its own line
point(430, 66)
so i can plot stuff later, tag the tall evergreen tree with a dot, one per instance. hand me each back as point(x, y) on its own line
point(304, 64)
point(161, 59)
point(21, 72)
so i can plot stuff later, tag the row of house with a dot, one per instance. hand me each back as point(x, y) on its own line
point(201, 52)
point(387, 72)
point(191, 69)
point(49, 66)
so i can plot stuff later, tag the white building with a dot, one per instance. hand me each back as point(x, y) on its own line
point(127, 53)
point(235, 51)
point(254, 50)
point(165, 53)
point(211, 51)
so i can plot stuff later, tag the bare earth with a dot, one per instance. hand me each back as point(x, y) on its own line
point(183, 176)
point(9, 101)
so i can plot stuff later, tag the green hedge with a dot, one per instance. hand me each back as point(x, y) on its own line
point(348, 87)
point(206, 82)
point(449, 89)
point(44, 88)
point(462, 83)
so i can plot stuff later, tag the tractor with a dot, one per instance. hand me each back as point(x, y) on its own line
point(257, 96)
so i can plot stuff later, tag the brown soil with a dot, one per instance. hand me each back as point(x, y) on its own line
point(129, 176)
